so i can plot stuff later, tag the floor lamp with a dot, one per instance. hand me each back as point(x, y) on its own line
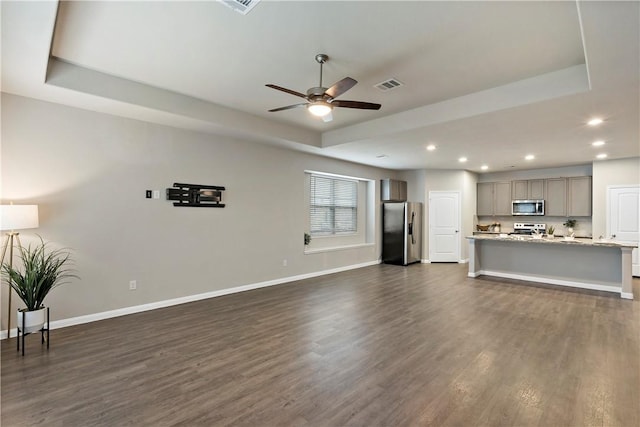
point(15, 217)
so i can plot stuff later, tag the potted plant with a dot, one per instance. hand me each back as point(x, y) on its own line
point(307, 239)
point(570, 223)
point(550, 230)
point(41, 271)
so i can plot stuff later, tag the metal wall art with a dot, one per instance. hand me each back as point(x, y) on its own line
point(195, 195)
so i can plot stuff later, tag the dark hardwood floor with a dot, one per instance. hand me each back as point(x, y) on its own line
point(379, 346)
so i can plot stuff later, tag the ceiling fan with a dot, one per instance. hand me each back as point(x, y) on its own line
point(322, 100)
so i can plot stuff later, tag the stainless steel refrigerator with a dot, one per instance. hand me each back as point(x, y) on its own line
point(401, 233)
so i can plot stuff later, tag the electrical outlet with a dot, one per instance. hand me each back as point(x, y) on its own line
point(284, 262)
point(133, 285)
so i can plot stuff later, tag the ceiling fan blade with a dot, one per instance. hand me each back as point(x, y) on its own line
point(288, 107)
point(289, 91)
point(327, 117)
point(356, 104)
point(341, 87)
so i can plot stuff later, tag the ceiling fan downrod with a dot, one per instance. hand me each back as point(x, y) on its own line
point(321, 58)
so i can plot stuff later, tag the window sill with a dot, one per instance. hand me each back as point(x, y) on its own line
point(337, 248)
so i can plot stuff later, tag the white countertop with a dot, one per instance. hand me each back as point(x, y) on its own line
point(555, 241)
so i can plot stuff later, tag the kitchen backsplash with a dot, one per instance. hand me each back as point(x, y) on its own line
point(582, 229)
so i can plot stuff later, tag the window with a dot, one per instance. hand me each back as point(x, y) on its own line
point(333, 205)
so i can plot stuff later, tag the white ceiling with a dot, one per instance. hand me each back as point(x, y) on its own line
point(490, 81)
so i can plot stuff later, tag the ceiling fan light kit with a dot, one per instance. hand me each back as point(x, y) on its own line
point(319, 108)
point(321, 100)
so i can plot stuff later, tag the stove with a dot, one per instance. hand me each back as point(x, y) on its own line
point(528, 228)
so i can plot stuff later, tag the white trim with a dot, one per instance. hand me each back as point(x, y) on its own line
point(335, 175)
point(337, 248)
point(63, 323)
point(626, 295)
point(584, 45)
point(551, 281)
point(460, 261)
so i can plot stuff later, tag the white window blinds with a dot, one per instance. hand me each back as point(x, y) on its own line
point(333, 205)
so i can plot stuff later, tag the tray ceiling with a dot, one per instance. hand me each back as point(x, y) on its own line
point(491, 81)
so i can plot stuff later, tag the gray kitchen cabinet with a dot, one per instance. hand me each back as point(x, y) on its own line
point(493, 198)
point(519, 190)
point(393, 190)
point(484, 199)
point(532, 189)
point(556, 197)
point(502, 198)
point(579, 196)
point(535, 188)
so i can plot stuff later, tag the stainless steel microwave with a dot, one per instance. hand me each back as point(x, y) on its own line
point(527, 207)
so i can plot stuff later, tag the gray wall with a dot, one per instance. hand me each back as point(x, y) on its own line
point(88, 173)
point(421, 182)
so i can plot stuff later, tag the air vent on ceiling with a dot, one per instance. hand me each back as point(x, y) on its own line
point(241, 6)
point(389, 84)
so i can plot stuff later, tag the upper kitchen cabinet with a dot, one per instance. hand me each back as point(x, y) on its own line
point(532, 189)
point(493, 198)
point(484, 199)
point(556, 201)
point(562, 196)
point(579, 196)
point(568, 196)
point(502, 198)
point(392, 190)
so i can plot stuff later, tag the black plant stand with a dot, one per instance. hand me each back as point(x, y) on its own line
point(22, 327)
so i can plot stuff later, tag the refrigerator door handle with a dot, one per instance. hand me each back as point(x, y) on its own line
point(413, 238)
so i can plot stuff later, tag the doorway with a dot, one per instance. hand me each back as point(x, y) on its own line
point(444, 226)
point(623, 218)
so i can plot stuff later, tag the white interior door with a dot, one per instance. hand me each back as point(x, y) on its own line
point(444, 226)
point(623, 218)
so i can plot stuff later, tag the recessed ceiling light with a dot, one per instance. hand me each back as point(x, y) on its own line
point(431, 147)
point(595, 121)
point(602, 156)
point(484, 167)
point(597, 143)
point(529, 157)
point(462, 159)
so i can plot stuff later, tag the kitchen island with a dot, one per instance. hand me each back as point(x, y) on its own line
point(583, 263)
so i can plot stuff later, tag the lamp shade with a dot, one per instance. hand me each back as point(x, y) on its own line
point(18, 217)
point(319, 108)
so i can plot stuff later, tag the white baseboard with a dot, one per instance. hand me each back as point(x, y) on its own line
point(56, 324)
point(464, 261)
point(425, 261)
point(626, 295)
point(551, 281)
